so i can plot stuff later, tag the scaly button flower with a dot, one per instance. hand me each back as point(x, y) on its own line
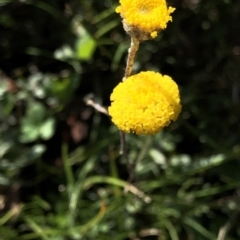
point(145, 103)
point(144, 18)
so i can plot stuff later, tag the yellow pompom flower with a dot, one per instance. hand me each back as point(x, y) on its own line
point(144, 17)
point(145, 103)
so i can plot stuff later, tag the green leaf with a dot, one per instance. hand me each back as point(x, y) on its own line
point(199, 228)
point(36, 113)
point(46, 131)
point(29, 132)
point(7, 232)
point(85, 47)
point(4, 181)
point(62, 88)
point(172, 230)
point(36, 151)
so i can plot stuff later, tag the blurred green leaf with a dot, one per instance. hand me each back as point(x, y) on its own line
point(62, 88)
point(103, 179)
point(4, 181)
point(37, 150)
point(7, 233)
point(47, 129)
point(37, 229)
point(29, 132)
point(36, 114)
point(199, 228)
point(106, 28)
point(35, 125)
point(85, 47)
point(172, 230)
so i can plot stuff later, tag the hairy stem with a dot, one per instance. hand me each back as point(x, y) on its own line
point(131, 56)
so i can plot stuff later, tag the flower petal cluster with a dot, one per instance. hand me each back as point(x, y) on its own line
point(145, 16)
point(145, 103)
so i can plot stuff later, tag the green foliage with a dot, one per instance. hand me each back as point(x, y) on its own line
point(61, 176)
point(35, 125)
point(85, 47)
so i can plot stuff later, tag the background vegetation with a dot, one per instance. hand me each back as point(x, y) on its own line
point(61, 177)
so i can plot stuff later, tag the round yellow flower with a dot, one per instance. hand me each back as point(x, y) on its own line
point(145, 103)
point(144, 16)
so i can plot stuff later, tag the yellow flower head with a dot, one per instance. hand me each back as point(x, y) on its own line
point(145, 16)
point(145, 103)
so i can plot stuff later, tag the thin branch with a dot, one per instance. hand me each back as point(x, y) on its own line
point(149, 232)
point(137, 192)
point(123, 152)
point(223, 231)
point(131, 56)
point(89, 100)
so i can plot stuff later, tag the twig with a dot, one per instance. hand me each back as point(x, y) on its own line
point(123, 152)
point(137, 192)
point(223, 231)
point(89, 100)
point(149, 232)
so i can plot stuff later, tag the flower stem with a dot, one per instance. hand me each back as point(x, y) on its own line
point(131, 56)
point(130, 61)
